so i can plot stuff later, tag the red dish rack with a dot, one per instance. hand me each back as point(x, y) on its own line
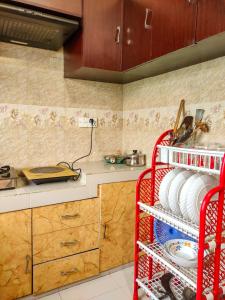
point(208, 279)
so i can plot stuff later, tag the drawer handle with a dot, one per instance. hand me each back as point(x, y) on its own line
point(69, 244)
point(148, 16)
point(117, 38)
point(74, 271)
point(69, 217)
point(28, 260)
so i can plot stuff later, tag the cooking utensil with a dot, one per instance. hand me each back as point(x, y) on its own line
point(49, 174)
point(115, 159)
point(136, 159)
point(8, 178)
point(165, 282)
point(185, 130)
point(188, 294)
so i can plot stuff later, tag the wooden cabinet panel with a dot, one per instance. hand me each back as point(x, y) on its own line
point(118, 219)
point(102, 32)
point(67, 215)
point(173, 25)
point(211, 18)
point(65, 242)
point(51, 275)
point(137, 43)
point(15, 255)
point(70, 7)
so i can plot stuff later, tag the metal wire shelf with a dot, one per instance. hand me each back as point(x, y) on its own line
point(187, 275)
point(185, 226)
point(153, 287)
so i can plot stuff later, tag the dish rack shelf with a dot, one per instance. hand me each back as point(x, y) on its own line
point(151, 261)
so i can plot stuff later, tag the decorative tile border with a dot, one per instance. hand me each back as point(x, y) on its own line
point(39, 116)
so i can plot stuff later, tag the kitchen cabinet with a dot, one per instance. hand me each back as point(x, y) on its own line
point(117, 224)
point(15, 255)
point(68, 7)
point(57, 273)
point(99, 44)
point(211, 18)
point(137, 45)
point(173, 25)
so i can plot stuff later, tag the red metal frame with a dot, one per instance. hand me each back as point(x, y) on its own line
point(211, 268)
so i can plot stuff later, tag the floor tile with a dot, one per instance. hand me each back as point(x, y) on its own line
point(118, 294)
point(52, 297)
point(124, 278)
point(90, 289)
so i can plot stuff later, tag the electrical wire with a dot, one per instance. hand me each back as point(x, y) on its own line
point(71, 166)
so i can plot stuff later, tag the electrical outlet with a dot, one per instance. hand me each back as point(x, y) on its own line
point(86, 122)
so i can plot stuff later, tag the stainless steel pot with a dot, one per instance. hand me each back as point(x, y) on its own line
point(136, 159)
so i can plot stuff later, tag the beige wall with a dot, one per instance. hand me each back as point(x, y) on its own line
point(39, 109)
point(150, 105)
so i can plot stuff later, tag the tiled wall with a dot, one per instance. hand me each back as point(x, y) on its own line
point(150, 105)
point(39, 110)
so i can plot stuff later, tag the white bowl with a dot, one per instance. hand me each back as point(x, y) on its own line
point(182, 252)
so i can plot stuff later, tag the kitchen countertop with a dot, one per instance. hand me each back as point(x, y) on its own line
point(93, 174)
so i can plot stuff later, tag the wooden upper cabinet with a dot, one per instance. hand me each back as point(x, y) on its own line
point(137, 43)
point(102, 34)
point(15, 255)
point(211, 18)
point(173, 25)
point(69, 7)
point(97, 48)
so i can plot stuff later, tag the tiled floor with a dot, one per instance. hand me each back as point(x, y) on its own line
point(116, 286)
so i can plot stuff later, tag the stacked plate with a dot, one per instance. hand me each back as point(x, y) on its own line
point(183, 191)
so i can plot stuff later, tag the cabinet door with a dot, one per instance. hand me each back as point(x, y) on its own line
point(102, 34)
point(15, 255)
point(70, 7)
point(137, 33)
point(211, 18)
point(118, 221)
point(173, 25)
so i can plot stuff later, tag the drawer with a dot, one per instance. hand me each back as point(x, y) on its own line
point(51, 275)
point(67, 215)
point(63, 243)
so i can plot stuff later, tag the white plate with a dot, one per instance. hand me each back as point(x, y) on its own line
point(196, 194)
point(184, 192)
point(175, 189)
point(165, 185)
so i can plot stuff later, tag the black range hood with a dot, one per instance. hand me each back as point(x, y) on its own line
point(31, 27)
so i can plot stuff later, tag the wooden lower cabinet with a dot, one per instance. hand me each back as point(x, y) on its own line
point(15, 255)
point(64, 216)
point(63, 243)
point(58, 273)
point(117, 224)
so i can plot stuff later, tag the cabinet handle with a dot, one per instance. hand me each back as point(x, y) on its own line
point(28, 259)
point(104, 234)
point(148, 15)
point(74, 271)
point(69, 217)
point(117, 38)
point(69, 244)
